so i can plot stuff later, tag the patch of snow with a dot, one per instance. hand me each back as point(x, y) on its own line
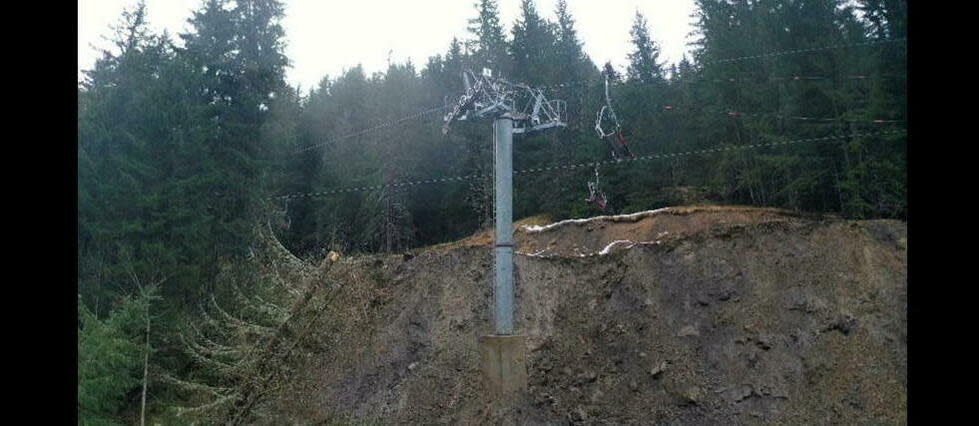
point(538, 228)
point(613, 243)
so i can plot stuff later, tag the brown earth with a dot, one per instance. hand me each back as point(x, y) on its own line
point(708, 315)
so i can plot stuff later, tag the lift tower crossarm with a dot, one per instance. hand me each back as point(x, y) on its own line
point(487, 96)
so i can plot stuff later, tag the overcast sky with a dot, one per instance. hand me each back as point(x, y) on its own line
point(323, 37)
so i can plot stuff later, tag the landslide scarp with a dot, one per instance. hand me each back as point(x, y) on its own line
point(699, 315)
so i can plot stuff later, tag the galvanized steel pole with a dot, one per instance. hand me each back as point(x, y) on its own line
point(503, 168)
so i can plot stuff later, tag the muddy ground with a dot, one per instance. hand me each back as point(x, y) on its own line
point(698, 316)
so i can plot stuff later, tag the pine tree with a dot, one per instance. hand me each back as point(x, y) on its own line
point(339, 109)
point(571, 58)
point(533, 46)
point(489, 45)
point(874, 173)
point(644, 63)
point(111, 356)
point(236, 49)
point(129, 148)
point(573, 66)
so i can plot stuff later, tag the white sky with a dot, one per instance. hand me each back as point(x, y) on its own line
point(324, 37)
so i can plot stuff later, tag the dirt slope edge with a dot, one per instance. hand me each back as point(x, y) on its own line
point(779, 320)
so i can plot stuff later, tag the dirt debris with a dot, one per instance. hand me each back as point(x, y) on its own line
point(740, 315)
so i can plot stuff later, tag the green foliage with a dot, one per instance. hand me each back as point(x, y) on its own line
point(488, 45)
point(110, 357)
point(107, 363)
point(644, 66)
point(534, 47)
point(177, 147)
point(810, 177)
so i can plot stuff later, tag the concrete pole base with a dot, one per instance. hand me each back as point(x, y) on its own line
point(503, 361)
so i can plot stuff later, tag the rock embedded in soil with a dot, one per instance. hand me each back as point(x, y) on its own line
point(739, 393)
point(691, 396)
point(658, 370)
point(687, 331)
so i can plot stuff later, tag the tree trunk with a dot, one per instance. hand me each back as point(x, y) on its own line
point(146, 368)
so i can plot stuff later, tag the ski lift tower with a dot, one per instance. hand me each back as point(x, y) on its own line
point(515, 108)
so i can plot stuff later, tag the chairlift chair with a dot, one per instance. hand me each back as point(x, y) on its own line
point(614, 137)
point(595, 194)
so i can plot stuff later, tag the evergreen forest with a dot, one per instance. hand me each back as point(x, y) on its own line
point(192, 145)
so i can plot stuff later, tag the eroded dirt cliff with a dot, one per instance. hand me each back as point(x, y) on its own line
point(684, 315)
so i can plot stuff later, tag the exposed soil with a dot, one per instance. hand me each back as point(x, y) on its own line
point(704, 315)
